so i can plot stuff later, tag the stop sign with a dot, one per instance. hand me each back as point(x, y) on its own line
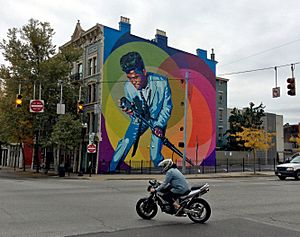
point(91, 148)
point(36, 106)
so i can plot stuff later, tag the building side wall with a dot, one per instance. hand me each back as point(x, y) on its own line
point(172, 63)
point(221, 112)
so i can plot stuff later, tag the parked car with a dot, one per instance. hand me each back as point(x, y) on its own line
point(296, 154)
point(290, 169)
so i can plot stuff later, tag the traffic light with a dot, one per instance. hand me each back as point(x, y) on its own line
point(80, 106)
point(291, 86)
point(19, 101)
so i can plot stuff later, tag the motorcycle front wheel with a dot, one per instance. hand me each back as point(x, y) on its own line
point(146, 209)
point(200, 210)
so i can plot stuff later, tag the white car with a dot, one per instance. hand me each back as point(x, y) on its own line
point(291, 169)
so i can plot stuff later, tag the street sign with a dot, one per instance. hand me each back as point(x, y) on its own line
point(36, 106)
point(276, 92)
point(91, 137)
point(91, 148)
point(60, 109)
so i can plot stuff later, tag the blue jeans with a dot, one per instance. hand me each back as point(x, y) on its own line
point(125, 144)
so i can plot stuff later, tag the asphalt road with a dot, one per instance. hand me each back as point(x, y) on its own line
point(252, 206)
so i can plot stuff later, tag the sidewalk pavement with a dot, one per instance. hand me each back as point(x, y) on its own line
point(18, 173)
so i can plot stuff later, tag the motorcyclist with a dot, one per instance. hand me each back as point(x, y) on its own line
point(174, 181)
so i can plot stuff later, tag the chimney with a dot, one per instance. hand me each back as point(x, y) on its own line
point(202, 53)
point(124, 24)
point(161, 38)
point(212, 55)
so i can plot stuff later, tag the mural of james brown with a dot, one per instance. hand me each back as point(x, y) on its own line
point(164, 66)
point(150, 92)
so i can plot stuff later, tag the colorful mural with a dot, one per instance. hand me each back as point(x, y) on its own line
point(170, 63)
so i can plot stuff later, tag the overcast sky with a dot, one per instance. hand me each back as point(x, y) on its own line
point(245, 35)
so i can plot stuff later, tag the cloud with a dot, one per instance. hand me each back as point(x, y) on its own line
point(245, 34)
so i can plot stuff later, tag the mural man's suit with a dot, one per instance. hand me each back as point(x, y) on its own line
point(151, 93)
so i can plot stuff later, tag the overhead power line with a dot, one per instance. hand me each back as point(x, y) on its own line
point(261, 52)
point(257, 69)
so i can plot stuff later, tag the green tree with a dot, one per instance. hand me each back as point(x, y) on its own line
point(32, 60)
point(16, 123)
point(67, 131)
point(250, 117)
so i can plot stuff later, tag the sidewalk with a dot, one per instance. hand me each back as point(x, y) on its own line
point(188, 176)
point(10, 172)
point(28, 173)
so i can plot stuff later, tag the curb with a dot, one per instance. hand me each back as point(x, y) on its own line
point(10, 172)
point(187, 177)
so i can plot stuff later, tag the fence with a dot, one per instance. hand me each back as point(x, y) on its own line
point(222, 165)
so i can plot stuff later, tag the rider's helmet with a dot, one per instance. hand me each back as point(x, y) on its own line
point(166, 165)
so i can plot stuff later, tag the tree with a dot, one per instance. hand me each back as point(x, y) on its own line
point(16, 124)
point(32, 60)
point(67, 132)
point(250, 117)
point(255, 139)
point(3, 132)
point(296, 140)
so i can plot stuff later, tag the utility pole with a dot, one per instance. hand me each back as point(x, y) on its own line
point(185, 122)
point(197, 146)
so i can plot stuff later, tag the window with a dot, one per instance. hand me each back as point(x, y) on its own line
point(91, 93)
point(94, 93)
point(79, 70)
point(92, 66)
point(220, 99)
point(220, 114)
point(220, 133)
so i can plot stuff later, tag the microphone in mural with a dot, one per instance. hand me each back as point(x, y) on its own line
point(136, 112)
point(151, 96)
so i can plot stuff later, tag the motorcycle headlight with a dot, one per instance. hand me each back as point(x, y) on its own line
point(290, 169)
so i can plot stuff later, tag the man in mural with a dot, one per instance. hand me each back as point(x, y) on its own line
point(151, 94)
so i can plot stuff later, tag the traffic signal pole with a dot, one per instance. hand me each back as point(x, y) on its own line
point(36, 150)
point(36, 160)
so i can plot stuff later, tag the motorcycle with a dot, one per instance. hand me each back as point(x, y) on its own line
point(192, 205)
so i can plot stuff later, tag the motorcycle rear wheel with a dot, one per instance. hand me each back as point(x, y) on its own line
point(202, 208)
point(145, 209)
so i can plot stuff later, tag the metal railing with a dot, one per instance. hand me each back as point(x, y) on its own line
point(221, 166)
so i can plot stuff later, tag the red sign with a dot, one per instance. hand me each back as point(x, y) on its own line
point(36, 106)
point(91, 148)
